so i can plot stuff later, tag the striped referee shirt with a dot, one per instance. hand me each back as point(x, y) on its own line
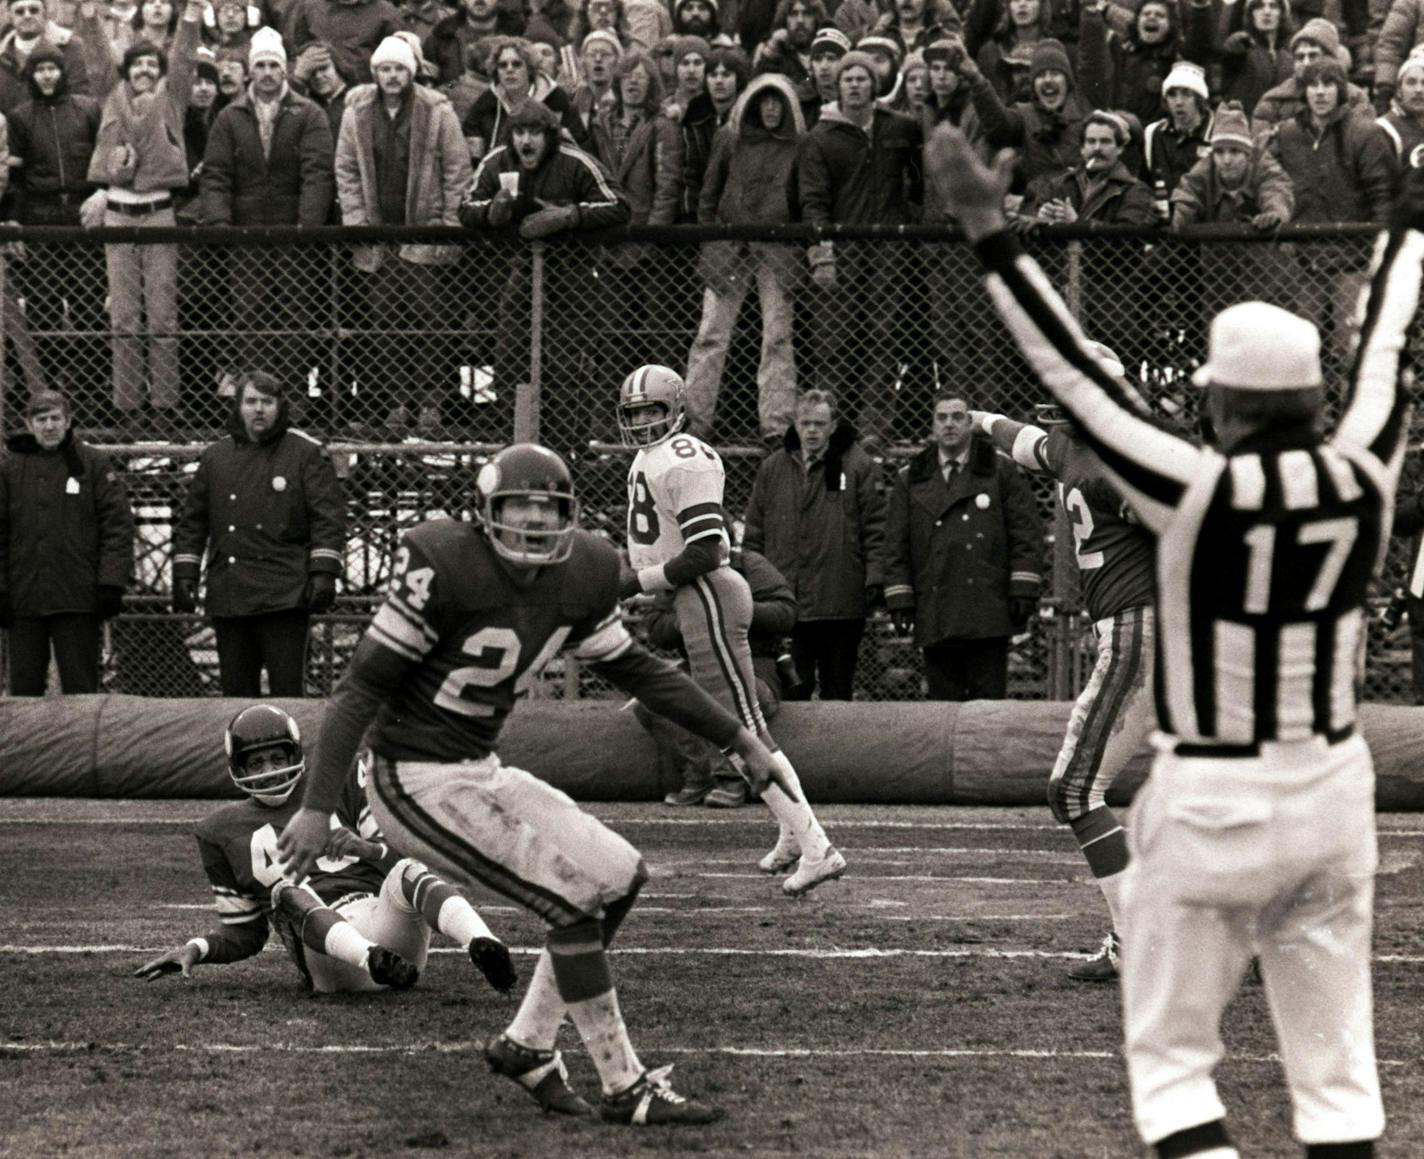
point(1265, 553)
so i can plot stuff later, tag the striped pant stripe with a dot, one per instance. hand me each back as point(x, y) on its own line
point(458, 857)
point(736, 677)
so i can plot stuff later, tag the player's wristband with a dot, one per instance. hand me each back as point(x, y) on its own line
point(202, 946)
point(654, 579)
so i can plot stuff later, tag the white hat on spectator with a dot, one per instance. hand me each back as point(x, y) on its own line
point(394, 50)
point(1413, 63)
point(1259, 347)
point(266, 45)
point(830, 40)
point(604, 35)
point(1186, 75)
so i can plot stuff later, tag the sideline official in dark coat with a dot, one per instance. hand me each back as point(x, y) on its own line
point(66, 550)
point(266, 507)
point(963, 557)
point(817, 512)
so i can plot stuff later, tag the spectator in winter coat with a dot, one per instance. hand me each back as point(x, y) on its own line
point(1237, 182)
point(642, 148)
point(1126, 72)
point(1100, 188)
point(515, 81)
point(314, 75)
point(1245, 45)
point(963, 556)
point(826, 51)
point(52, 138)
point(449, 41)
point(401, 160)
point(544, 187)
point(789, 48)
point(267, 512)
point(817, 511)
point(351, 28)
point(1045, 130)
point(727, 76)
point(138, 155)
point(1179, 140)
point(235, 22)
point(860, 164)
point(1402, 32)
point(1403, 124)
point(66, 550)
point(751, 180)
point(598, 57)
point(1021, 25)
point(1317, 40)
point(30, 28)
point(269, 162)
point(698, 18)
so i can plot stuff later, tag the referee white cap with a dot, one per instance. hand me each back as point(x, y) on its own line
point(1257, 346)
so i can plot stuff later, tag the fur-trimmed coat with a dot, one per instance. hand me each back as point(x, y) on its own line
point(823, 527)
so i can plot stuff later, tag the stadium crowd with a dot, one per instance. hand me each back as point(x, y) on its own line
point(1160, 113)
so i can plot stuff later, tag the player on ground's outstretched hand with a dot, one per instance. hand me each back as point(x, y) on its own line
point(678, 542)
point(360, 921)
point(474, 613)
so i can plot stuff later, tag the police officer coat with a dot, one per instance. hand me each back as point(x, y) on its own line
point(269, 514)
point(66, 527)
point(955, 553)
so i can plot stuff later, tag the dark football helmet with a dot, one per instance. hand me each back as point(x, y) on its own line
point(536, 480)
point(261, 726)
point(651, 406)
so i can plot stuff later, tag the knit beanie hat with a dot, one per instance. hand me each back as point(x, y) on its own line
point(607, 37)
point(1231, 125)
point(394, 50)
point(883, 44)
point(1320, 32)
point(686, 45)
point(1414, 63)
point(266, 45)
point(1049, 54)
point(856, 59)
point(830, 40)
point(710, 3)
point(1186, 75)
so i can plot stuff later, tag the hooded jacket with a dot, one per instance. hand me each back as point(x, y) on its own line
point(437, 175)
point(65, 527)
point(1346, 173)
point(956, 552)
point(15, 90)
point(291, 184)
point(52, 138)
point(847, 177)
point(823, 527)
point(265, 515)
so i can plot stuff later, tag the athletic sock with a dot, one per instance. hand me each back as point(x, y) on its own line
point(585, 982)
point(796, 817)
point(322, 928)
point(536, 1025)
point(1103, 842)
point(443, 907)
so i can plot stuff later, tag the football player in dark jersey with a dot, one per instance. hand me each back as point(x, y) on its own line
point(1113, 716)
point(361, 921)
point(474, 613)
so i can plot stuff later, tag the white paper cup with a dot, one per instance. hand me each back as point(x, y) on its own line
point(509, 182)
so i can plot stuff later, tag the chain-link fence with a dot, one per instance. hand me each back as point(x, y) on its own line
point(417, 352)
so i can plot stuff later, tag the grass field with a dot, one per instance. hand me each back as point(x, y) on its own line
point(917, 1007)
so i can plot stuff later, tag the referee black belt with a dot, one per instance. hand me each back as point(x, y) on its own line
point(139, 208)
point(1228, 752)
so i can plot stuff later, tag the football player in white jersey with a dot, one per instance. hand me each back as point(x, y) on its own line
point(677, 541)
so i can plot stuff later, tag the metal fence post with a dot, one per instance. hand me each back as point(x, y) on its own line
point(527, 394)
point(5, 339)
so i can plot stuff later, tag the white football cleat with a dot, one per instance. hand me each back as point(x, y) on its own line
point(810, 874)
point(783, 856)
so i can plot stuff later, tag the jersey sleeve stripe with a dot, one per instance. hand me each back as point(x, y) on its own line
point(390, 642)
point(399, 627)
point(711, 532)
point(416, 620)
point(606, 642)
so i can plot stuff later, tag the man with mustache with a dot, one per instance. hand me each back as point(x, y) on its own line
point(1100, 188)
point(1046, 129)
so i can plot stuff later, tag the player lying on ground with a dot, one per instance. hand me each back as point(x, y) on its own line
point(1113, 716)
point(474, 613)
point(678, 542)
point(361, 921)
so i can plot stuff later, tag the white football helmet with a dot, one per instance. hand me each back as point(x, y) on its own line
point(262, 726)
point(651, 406)
point(543, 532)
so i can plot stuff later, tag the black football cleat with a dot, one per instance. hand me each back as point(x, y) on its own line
point(651, 1102)
point(390, 969)
point(540, 1072)
point(491, 958)
point(1102, 966)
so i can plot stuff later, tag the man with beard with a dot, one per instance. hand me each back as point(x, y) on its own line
point(788, 49)
point(1044, 130)
point(138, 155)
point(1403, 124)
point(698, 18)
point(401, 160)
point(266, 509)
point(859, 165)
point(543, 187)
point(52, 139)
point(269, 162)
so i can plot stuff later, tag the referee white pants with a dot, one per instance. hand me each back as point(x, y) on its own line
point(1271, 855)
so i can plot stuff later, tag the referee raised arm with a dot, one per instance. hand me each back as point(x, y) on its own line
point(1255, 832)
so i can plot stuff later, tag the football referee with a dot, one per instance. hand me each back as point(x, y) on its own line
point(1255, 833)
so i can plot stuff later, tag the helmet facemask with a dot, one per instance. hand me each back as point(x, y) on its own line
point(539, 534)
point(274, 781)
point(645, 424)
